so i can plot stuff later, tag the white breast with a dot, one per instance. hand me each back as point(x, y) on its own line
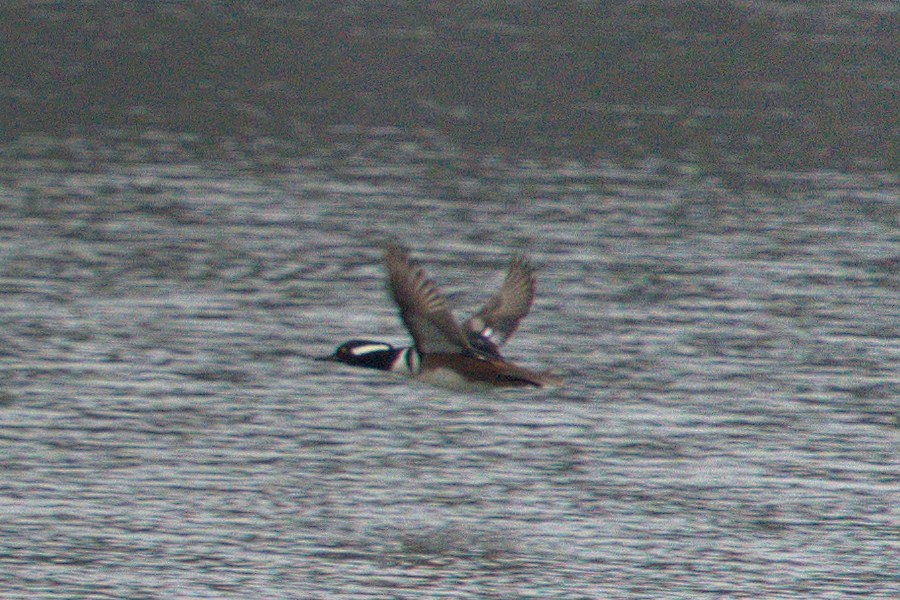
point(447, 378)
point(407, 363)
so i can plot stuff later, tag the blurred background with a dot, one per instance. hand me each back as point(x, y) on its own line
point(723, 85)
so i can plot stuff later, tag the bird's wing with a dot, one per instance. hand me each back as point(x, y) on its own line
point(495, 323)
point(423, 308)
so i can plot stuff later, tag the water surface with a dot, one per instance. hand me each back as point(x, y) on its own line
point(728, 424)
point(193, 200)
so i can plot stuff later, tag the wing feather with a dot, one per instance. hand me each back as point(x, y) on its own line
point(423, 308)
point(495, 323)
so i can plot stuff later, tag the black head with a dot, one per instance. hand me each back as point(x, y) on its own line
point(364, 353)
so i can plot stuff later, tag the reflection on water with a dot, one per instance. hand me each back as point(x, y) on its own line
point(728, 426)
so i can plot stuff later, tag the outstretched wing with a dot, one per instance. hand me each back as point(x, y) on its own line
point(495, 323)
point(423, 308)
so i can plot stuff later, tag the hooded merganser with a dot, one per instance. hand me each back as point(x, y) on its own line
point(444, 353)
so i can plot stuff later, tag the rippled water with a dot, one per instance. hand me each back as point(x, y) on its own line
point(728, 427)
point(193, 197)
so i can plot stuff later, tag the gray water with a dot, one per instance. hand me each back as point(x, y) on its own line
point(728, 425)
point(193, 201)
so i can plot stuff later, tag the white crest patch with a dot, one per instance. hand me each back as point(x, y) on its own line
point(367, 348)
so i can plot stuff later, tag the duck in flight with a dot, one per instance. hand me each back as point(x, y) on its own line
point(444, 353)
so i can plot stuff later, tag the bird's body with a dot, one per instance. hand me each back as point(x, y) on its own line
point(445, 354)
